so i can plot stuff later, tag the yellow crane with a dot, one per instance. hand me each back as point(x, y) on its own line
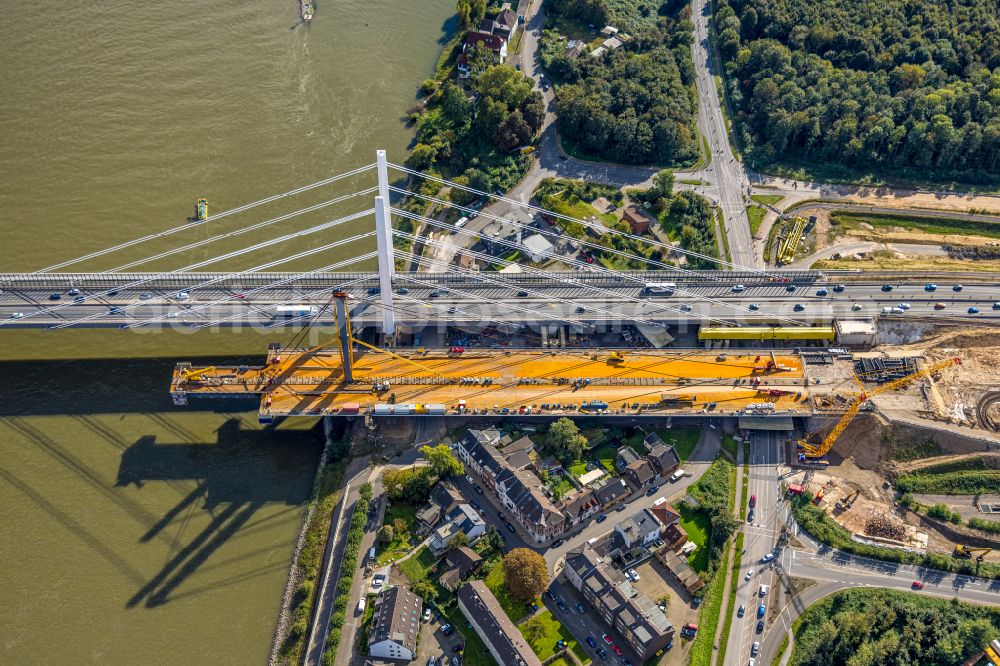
point(962, 550)
point(812, 451)
point(192, 375)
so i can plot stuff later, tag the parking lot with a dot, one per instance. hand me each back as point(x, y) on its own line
point(433, 643)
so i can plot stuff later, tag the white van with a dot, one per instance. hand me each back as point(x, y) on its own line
point(461, 222)
point(361, 605)
point(678, 475)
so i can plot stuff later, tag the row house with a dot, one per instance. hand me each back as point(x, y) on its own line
point(521, 492)
point(635, 617)
point(478, 452)
point(580, 507)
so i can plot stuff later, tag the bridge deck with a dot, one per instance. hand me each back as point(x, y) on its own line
point(494, 380)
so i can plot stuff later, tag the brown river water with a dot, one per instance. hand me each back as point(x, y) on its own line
point(136, 532)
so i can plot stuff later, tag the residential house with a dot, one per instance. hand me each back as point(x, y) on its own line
point(495, 43)
point(450, 579)
point(625, 457)
point(463, 519)
point(640, 473)
point(664, 460)
point(613, 491)
point(640, 529)
point(678, 565)
point(494, 628)
point(635, 617)
point(666, 514)
point(579, 507)
point(674, 536)
point(575, 48)
point(522, 492)
point(550, 466)
point(538, 248)
point(428, 517)
point(505, 24)
point(466, 560)
point(478, 452)
point(518, 454)
point(395, 624)
point(638, 222)
point(609, 31)
point(500, 237)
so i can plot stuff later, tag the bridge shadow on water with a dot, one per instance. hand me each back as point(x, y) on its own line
point(237, 476)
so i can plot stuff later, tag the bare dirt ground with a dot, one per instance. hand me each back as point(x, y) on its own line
point(930, 201)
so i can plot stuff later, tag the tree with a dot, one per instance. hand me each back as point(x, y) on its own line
point(663, 185)
point(442, 460)
point(386, 534)
point(425, 589)
point(565, 438)
point(399, 525)
point(525, 574)
point(459, 540)
point(534, 629)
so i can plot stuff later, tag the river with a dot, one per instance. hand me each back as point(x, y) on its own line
point(135, 531)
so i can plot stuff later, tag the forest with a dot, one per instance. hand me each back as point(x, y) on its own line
point(635, 104)
point(909, 85)
point(876, 627)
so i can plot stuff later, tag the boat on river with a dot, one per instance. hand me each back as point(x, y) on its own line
point(307, 8)
point(201, 210)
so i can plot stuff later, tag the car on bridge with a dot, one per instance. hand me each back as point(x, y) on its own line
point(799, 307)
point(790, 287)
point(939, 306)
point(838, 288)
point(855, 307)
point(16, 315)
point(973, 310)
point(55, 297)
point(822, 292)
point(957, 287)
point(887, 287)
point(930, 287)
point(738, 288)
point(754, 306)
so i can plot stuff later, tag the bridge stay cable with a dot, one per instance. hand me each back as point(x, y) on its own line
point(212, 260)
point(577, 263)
point(568, 281)
point(267, 287)
point(613, 232)
point(211, 218)
point(582, 242)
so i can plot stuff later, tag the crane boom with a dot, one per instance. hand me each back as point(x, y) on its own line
point(821, 449)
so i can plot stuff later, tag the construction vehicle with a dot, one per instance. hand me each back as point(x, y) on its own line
point(992, 652)
point(848, 502)
point(961, 550)
point(813, 451)
point(616, 357)
point(819, 496)
point(192, 375)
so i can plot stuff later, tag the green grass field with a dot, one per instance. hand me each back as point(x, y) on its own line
point(418, 567)
point(756, 216)
point(729, 444)
point(578, 468)
point(606, 456)
point(400, 544)
point(767, 199)
point(515, 609)
point(697, 525)
point(544, 645)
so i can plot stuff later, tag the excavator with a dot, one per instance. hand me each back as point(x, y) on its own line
point(961, 550)
point(814, 452)
point(616, 357)
point(848, 502)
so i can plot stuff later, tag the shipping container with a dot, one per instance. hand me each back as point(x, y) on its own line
point(436, 409)
point(350, 408)
point(382, 409)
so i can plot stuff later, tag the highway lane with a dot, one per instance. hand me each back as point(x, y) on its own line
point(724, 172)
point(488, 302)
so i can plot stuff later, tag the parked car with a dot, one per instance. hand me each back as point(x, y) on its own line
point(591, 642)
point(580, 609)
point(479, 489)
point(652, 491)
point(558, 542)
point(606, 639)
point(621, 507)
point(741, 612)
point(767, 558)
point(427, 615)
point(633, 575)
point(755, 648)
point(617, 650)
point(447, 629)
point(562, 607)
point(602, 653)
point(601, 517)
